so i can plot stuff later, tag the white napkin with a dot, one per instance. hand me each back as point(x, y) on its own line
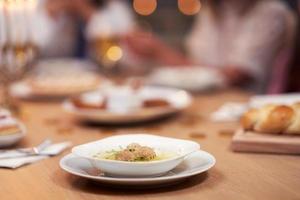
point(228, 112)
point(19, 159)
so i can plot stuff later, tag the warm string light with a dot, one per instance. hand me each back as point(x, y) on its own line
point(145, 7)
point(189, 7)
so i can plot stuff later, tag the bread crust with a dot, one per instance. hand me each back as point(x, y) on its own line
point(273, 119)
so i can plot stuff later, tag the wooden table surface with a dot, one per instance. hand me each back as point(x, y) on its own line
point(235, 176)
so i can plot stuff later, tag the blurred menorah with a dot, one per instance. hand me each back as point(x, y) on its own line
point(17, 43)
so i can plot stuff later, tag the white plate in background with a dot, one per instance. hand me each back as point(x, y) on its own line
point(189, 78)
point(178, 99)
point(56, 71)
point(285, 99)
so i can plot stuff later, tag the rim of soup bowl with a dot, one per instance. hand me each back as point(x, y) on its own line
point(180, 156)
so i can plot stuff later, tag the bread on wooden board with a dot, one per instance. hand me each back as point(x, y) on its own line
point(273, 119)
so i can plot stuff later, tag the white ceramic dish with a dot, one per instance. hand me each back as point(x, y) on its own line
point(178, 148)
point(178, 99)
point(54, 69)
point(188, 78)
point(8, 140)
point(23, 90)
point(192, 165)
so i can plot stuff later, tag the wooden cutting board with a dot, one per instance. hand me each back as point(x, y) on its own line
point(265, 143)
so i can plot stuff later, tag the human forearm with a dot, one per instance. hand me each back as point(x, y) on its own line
point(169, 56)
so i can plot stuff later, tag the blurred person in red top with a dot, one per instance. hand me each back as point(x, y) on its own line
point(240, 38)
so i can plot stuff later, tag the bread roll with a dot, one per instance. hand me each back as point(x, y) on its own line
point(273, 119)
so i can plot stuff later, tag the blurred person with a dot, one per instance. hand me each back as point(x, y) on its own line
point(294, 73)
point(240, 38)
point(64, 26)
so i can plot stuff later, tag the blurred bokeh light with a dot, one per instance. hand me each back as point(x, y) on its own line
point(189, 7)
point(114, 53)
point(144, 7)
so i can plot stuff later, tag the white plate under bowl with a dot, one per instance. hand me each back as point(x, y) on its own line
point(8, 140)
point(192, 165)
point(177, 148)
point(179, 100)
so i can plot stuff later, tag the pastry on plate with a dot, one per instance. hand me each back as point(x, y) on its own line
point(82, 104)
point(86, 102)
point(8, 126)
point(273, 119)
point(155, 102)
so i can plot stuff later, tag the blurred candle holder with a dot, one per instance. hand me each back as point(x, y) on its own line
point(17, 46)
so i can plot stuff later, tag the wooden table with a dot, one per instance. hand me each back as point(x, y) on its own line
point(235, 176)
